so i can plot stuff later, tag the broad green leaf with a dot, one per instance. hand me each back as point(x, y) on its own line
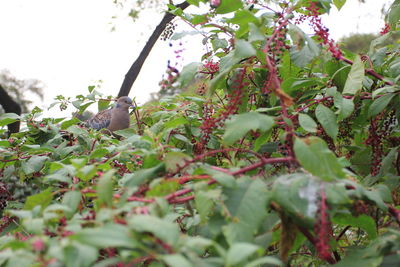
point(141, 176)
point(308, 48)
point(177, 260)
point(239, 125)
point(355, 78)
point(103, 104)
point(327, 118)
point(271, 261)
point(81, 255)
point(243, 49)
point(227, 6)
point(86, 173)
point(204, 201)
point(8, 118)
point(298, 195)
point(222, 178)
point(105, 188)
point(72, 199)
point(379, 104)
point(42, 199)
point(345, 106)
point(363, 221)
point(33, 164)
point(339, 3)
point(175, 160)
point(188, 73)
point(239, 252)
point(176, 122)
point(247, 206)
point(194, 2)
point(166, 231)
point(393, 16)
point(315, 156)
point(255, 33)
point(109, 235)
point(68, 123)
point(307, 123)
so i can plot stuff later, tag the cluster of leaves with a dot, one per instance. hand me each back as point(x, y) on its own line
point(290, 154)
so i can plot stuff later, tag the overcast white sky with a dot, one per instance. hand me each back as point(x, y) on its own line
point(68, 44)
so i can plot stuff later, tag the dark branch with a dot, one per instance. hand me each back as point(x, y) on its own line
point(133, 72)
point(10, 106)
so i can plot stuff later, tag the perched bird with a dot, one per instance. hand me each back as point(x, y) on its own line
point(113, 119)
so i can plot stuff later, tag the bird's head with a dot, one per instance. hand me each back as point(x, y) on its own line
point(124, 102)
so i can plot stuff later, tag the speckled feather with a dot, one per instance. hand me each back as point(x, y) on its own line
point(114, 119)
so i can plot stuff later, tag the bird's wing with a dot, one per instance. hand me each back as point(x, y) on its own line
point(100, 120)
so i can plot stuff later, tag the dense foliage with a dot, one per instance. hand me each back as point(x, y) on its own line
point(281, 149)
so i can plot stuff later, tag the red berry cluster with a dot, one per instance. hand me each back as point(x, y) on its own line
point(385, 29)
point(211, 67)
point(211, 122)
point(313, 16)
point(278, 45)
point(323, 229)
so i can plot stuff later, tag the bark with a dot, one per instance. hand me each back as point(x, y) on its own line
point(10, 106)
point(134, 70)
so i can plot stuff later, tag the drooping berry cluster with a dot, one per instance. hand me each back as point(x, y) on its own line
point(385, 29)
point(278, 45)
point(375, 141)
point(211, 122)
point(211, 67)
point(323, 229)
point(314, 19)
point(168, 31)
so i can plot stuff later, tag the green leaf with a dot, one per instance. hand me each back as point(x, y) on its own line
point(105, 188)
point(339, 3)
point(222, 178)
point(176, 122)
point(345, 106)
point(227, 6)
point(68, 123)
point(246, 204)
point(42, 199)
point(327, 118)
point(355, 78)
point(103, 104)
point(166, 231)
point(379, 105)
point(307, 123)
point(308, 48)
point(239, 125)
point(363, 221)
point(239, 252)
point(176, 260)
point(315, 156)
point(71, 199)
point(204, 201)
point(264, 260)
point(141, 176)
point(188, 73)
point(393, 16)
point(243, 49)
point(194, 2)
point(109, 235)
point(33, 164)
point(8, 118)
point(175, 160)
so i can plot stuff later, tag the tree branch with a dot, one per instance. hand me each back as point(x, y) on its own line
point(134, 70)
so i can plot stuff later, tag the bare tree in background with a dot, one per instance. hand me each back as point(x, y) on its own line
point(14, 95)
